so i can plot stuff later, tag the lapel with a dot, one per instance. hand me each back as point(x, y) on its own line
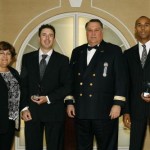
point(15, 74)
point(83, 60)
point(95, 59)
point(35, 65)
point(2, 81)
point(136, 55)
point(147, 60)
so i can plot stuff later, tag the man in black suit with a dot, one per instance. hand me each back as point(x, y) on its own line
point(137, 110)
point(43, 92)
point(99, 88)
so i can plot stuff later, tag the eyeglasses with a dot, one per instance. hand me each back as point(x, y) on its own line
point(5, 53)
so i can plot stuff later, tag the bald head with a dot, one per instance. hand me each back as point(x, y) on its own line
point(140, 18)
point(142, 29)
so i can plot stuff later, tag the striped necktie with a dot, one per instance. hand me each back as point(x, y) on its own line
point(144, 56)
point(42, 65)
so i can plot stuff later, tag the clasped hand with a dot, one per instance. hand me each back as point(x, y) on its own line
point(145, 98)
point(40, 100)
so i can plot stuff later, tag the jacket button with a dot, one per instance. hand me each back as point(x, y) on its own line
point(81, 83)
point(91, 84)
point(90, 95)
point(79, 74)
point(94, 74)
point(80, 94)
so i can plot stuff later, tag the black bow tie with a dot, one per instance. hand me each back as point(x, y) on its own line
point(92, 47)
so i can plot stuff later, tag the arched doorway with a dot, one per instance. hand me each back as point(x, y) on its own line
point(70, 32)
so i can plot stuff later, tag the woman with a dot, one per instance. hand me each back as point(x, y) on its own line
point(9, 96)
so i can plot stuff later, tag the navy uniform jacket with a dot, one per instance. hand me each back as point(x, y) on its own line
point(136, 107)
point(101, 84)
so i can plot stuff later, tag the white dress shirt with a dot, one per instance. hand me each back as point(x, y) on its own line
point(90, 54)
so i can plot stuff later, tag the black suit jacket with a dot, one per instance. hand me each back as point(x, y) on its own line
point(55, 84)
point(99, 85)
point(136, 107)
point(4, 101)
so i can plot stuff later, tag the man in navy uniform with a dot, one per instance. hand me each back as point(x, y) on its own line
point(99, 89)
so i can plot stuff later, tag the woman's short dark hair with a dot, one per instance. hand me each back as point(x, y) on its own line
point(7, 46)
point(94, 20)
point(44, 26)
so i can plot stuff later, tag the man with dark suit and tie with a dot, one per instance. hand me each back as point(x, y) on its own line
point(99, 89)
point(137, 111)
point(45, 82)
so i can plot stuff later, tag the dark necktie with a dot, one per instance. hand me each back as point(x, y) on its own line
point(92, 47)
point(144, 56)
point(42, 65)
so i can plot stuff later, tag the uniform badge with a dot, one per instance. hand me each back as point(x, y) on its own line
point(105, 69)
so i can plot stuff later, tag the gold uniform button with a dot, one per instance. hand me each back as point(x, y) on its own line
point(79, 74)
point(91, 84)
point(80, 94)
point(81, 83)
point(94, 74)
point(90, 95)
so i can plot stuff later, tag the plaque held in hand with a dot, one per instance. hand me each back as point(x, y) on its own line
point(36, 96)
point(147, 89)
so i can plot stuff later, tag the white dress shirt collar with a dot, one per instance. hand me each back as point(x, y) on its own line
point(48, 57)
point(49, 52)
